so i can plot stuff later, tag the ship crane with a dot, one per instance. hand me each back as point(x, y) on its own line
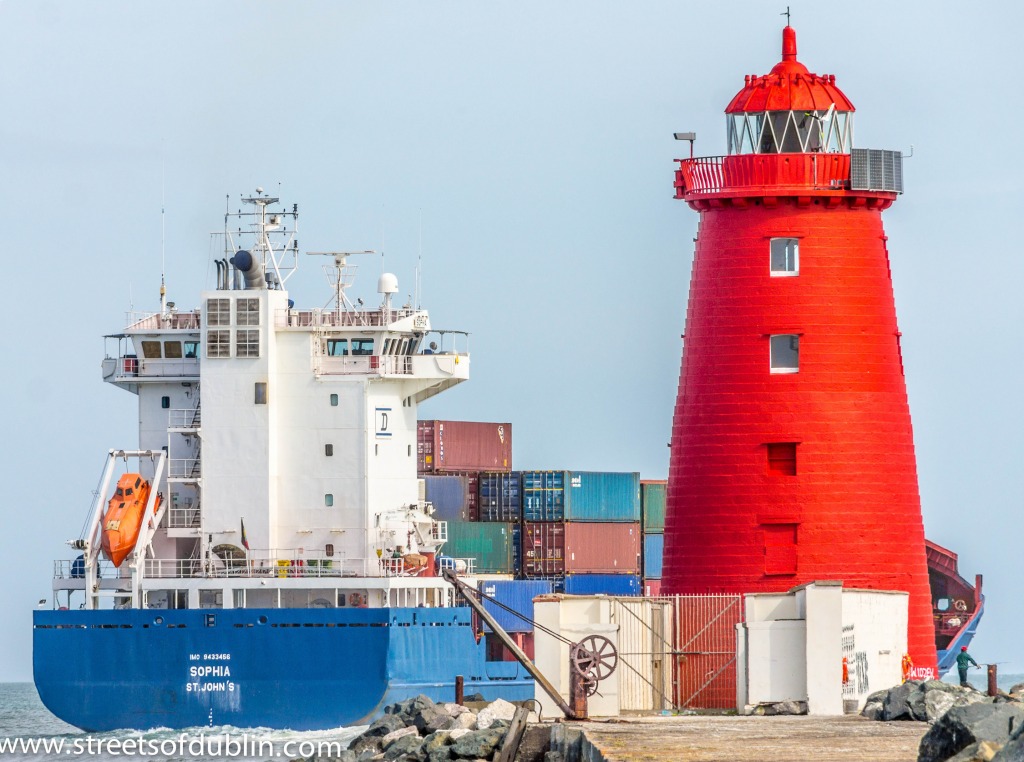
point(591, 660)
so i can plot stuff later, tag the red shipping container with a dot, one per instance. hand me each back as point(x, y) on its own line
point(445, 447)
point(652, 588)
point(555, 548)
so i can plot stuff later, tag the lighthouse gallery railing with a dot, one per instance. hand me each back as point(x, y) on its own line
point(771, 172)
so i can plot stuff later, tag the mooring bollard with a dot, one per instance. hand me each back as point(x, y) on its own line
point(993, 687)
point(459, 690)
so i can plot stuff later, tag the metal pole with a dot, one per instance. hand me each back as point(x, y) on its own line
point(459, 690)
point(993, 687)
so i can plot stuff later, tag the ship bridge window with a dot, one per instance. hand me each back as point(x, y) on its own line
point(247, 343)
point(362, 346)
point(218, 311)
point(172, 350)
point(151, 350)
point(191, 350)
point(785, 353)
point(337, 347)
point(248, 312)
point(218, 343)
point(785, 256)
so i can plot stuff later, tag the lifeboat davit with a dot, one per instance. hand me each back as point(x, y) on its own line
point(123, 519)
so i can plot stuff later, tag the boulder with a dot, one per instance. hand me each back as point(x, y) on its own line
point(364, 743)
point(496, 710)
point(386, 724)
point(983, 751)
point(456, 733)
point(874, 705)
point(475, 697)
point(962, 726)
point(440, 755)
point(404, 747)
point(465, 721)
point(394, 735)
point(1018, 688)
point(436, 741)
point(896, 706)
point(776, 708)
point(455, 709)
point(479, 744)
point(936, 704)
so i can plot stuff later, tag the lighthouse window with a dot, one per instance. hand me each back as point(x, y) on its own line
point(785, 353)
point(248, 344)
point(337, 347)
point(218, 312)
point(782, 458)
point(362, 346)
point(218, 343)
point(784, 256)
point(248, 311)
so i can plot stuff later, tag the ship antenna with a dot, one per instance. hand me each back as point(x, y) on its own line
point(163, 235)
point(786, 14)
point(419, 265)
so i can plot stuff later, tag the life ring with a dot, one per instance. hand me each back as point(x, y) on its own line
point(357, 600)
point(960, 604)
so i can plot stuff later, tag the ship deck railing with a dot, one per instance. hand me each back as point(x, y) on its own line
point(256, 564)
point(128, 367)
point(293, 318)
point(64, 568)
point(155, 321)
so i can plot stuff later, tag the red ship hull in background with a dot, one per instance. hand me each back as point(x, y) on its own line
point(957, 605)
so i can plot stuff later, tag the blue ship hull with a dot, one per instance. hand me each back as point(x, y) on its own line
point(947, 657)
point(301, 669)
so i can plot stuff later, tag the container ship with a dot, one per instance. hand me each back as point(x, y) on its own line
point(263, 557)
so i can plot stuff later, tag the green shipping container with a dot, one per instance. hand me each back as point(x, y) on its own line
point(489, 543)
point(652, 505)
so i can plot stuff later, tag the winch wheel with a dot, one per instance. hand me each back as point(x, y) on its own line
point(594, 658)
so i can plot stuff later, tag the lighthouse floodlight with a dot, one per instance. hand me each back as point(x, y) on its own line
point(691, 136)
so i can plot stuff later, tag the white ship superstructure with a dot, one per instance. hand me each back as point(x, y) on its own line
point(282, 440)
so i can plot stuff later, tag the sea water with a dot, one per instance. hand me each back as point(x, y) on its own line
point(28, 731)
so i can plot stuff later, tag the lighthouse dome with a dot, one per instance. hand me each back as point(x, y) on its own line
point(789, 110)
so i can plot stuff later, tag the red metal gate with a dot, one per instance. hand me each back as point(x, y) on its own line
point(705, 650)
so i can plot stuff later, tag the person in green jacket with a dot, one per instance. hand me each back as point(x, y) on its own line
point(962, 660)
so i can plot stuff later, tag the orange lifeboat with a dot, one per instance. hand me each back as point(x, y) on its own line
point(123, 519)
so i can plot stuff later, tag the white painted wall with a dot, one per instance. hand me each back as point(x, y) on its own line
point(791, 645)
point(574, 617)
point(879, 622)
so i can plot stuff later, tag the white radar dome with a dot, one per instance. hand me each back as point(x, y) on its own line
point(388, 284)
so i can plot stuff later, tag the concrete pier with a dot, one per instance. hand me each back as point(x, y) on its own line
point(741, 739)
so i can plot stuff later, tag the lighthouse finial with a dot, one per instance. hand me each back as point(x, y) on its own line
point(786, 14)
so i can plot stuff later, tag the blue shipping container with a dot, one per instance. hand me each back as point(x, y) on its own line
point(449, 494)
point(597, 584)
point(581, 496)
point(654, 549)
point(500, 497)
point(517, 595)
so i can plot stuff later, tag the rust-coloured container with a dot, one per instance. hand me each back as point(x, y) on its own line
point(555, 548)
point(445, 447)
point(498, 651)
point(652, 588)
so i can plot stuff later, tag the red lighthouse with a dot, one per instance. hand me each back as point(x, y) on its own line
point(792, 449)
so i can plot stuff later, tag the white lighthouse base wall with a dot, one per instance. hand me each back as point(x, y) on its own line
point(792, 646)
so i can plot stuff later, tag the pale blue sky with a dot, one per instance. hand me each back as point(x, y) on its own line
point(534, 139)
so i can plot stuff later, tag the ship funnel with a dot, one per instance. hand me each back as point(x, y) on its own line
point(246, 264)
